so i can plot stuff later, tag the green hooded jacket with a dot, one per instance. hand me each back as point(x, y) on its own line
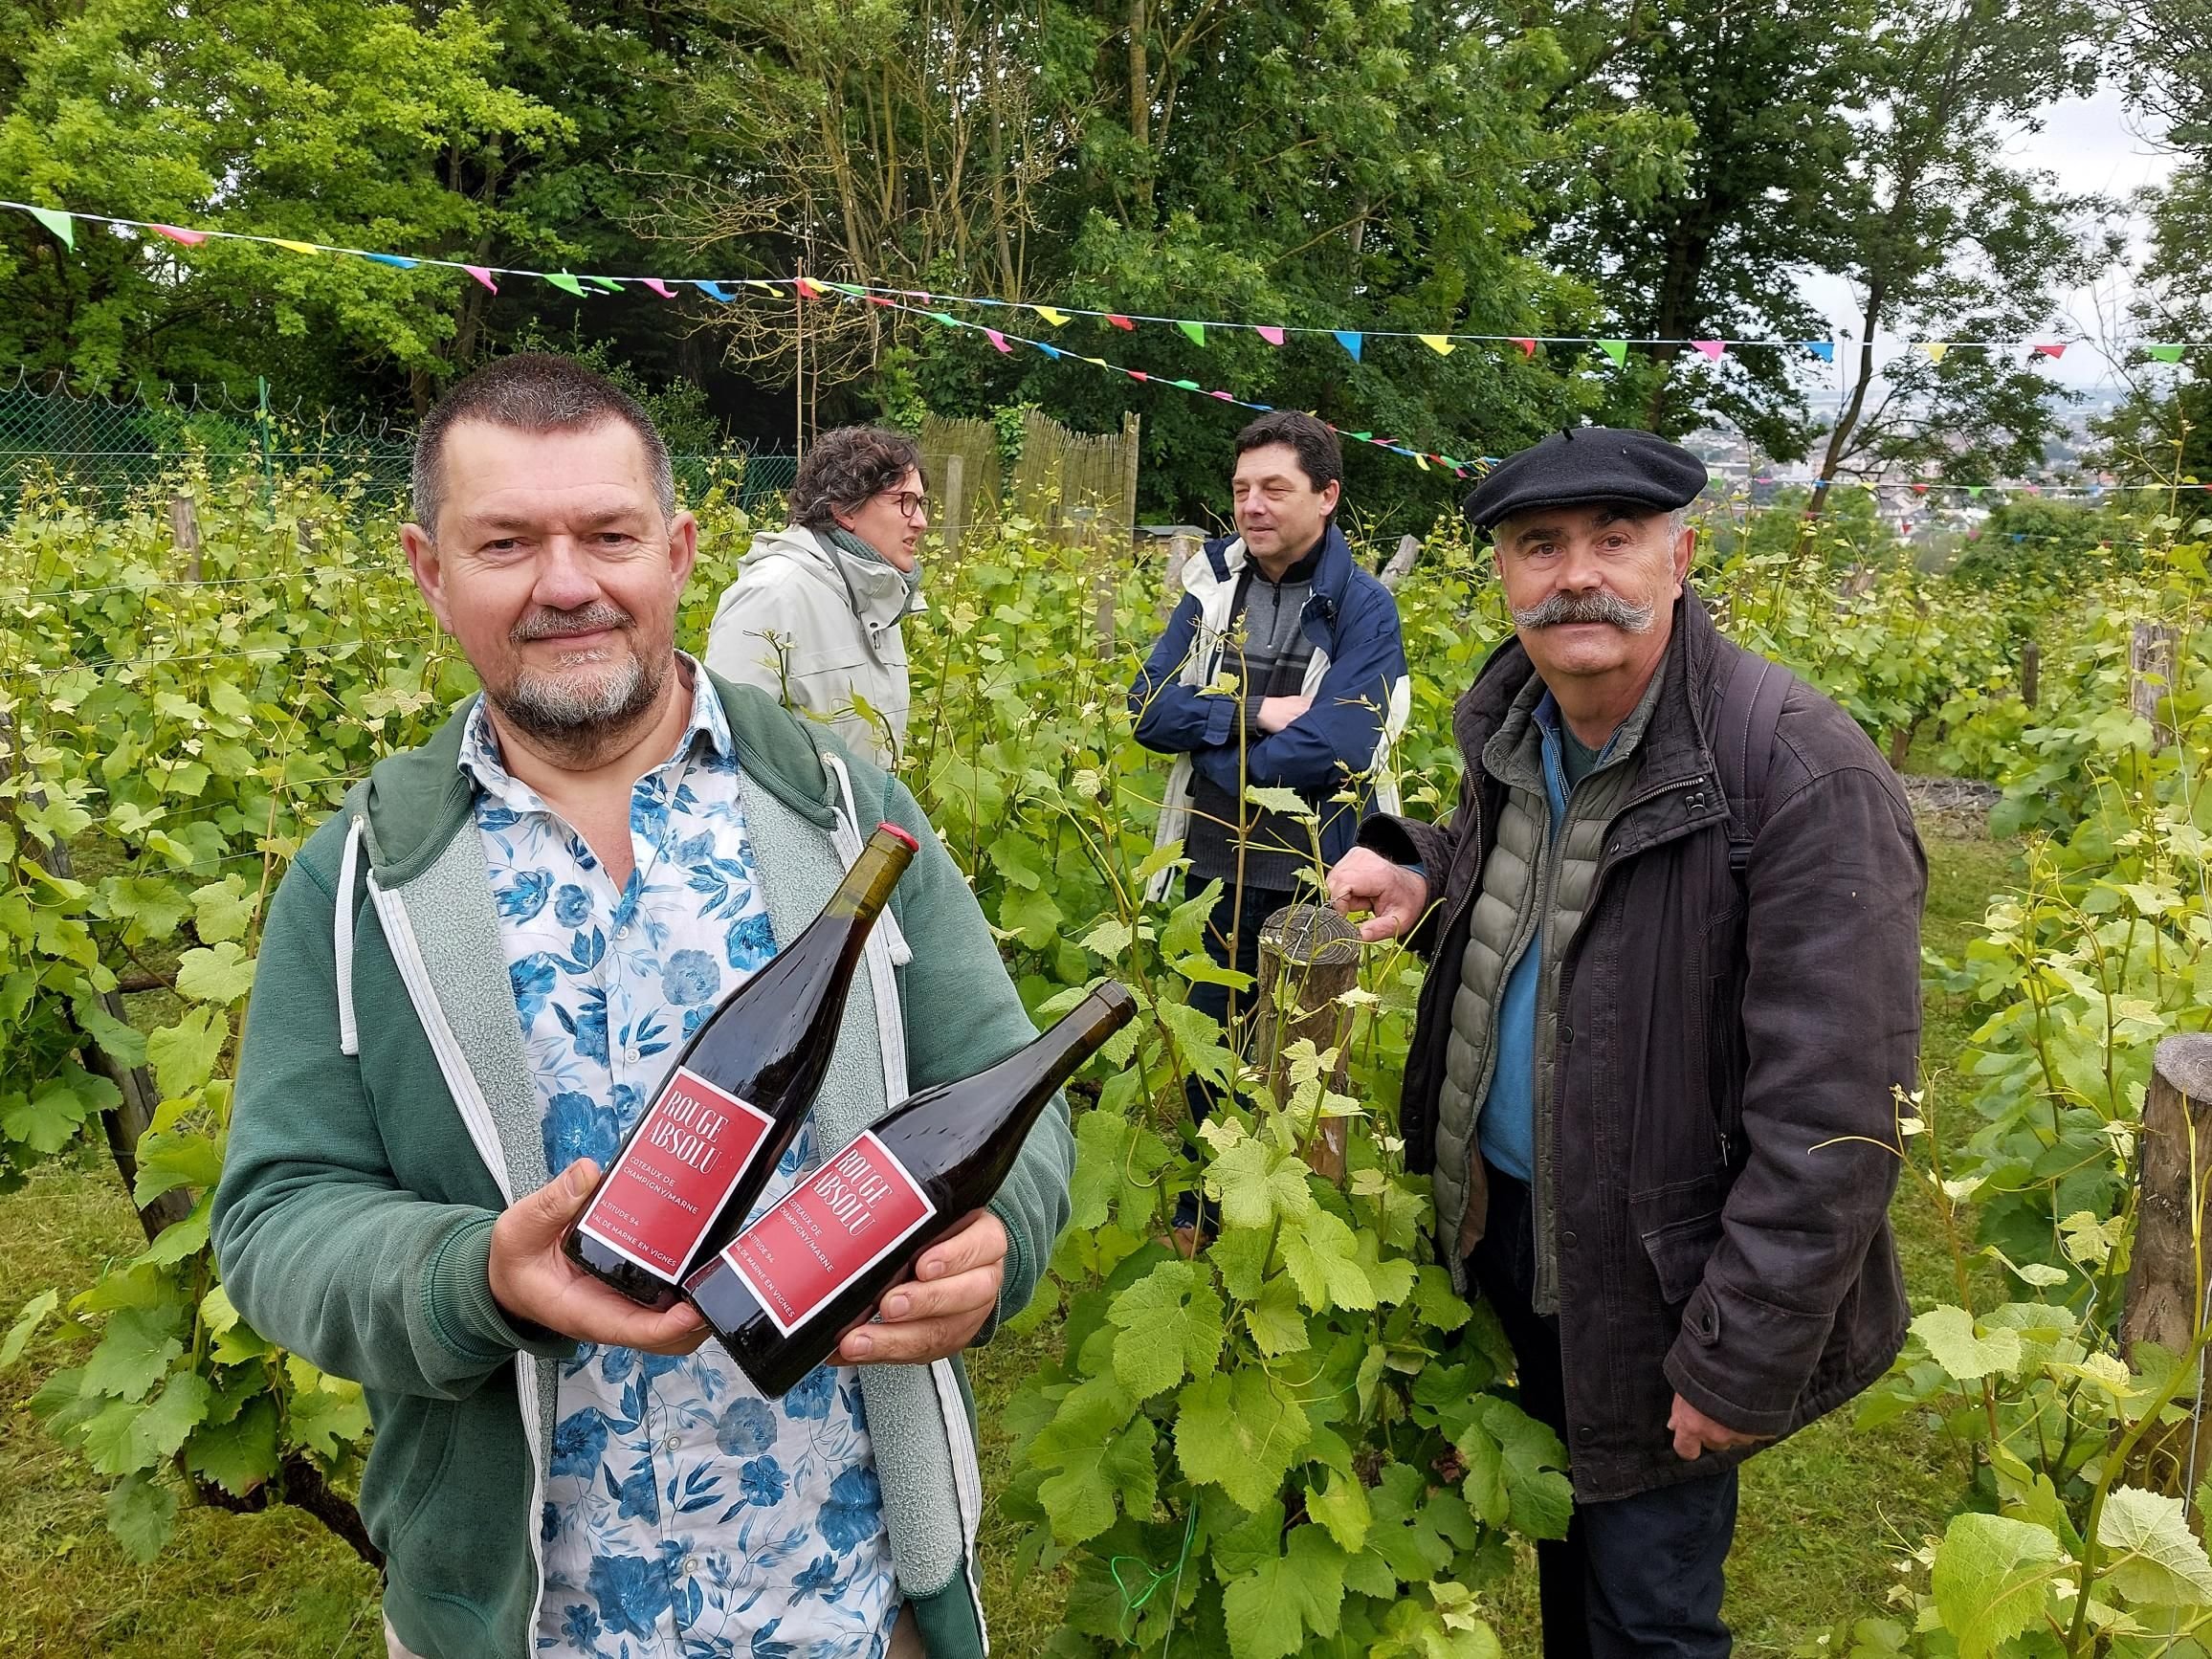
point(384, 1114)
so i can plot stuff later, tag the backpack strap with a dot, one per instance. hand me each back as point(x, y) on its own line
point(1747, 714)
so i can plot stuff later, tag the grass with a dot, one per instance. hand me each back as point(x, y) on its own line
point(1824, 1514)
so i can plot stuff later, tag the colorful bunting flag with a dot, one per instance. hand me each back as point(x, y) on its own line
point(1271, 335)
point(1973, 492)
point(1616, 349)
point(1440, 343)
point(1421, 460)
point(998, 340)
point(296, 247)
point(606, 284)
point(811, 289)
point(944, 316)
point(660, 288)
point(2054, 349)
point(1051, 314)
point(852, 290)
point(1223, 395)
point(1136, 374)
point(2165, 353)
point(1350, 339)
point(1823, 349)
point(1936, 348)
point(1527, 345)
point(712, 290)
point(1051, 351)
point(483, 275)
point(1187, 385)
point(1195, 330)
point(56, 222)
point(1119, 322)
point(177, 233)
point(1713, 349)
point(393, 261)
point(568, 284)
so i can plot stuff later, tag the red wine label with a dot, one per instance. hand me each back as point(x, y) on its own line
point(668, 1184)
point(827, 1231)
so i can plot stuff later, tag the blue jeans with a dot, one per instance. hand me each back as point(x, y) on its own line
point(1243, 954)
point(1636, 1578)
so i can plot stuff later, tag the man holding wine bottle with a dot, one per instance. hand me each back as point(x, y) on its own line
point(523, 942)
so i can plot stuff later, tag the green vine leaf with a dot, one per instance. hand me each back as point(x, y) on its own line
point(1171, 1323)
point(2151, 1556)
point(1991, 1580)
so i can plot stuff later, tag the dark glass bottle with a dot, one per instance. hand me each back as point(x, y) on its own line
point(781, 1295)
point(696, 1159)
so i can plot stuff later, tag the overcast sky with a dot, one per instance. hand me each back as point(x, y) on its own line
point(2091, 147)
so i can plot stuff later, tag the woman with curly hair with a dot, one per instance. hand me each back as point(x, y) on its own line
point(814, 615)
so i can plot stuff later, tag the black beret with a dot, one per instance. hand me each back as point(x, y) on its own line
point(1588, 464)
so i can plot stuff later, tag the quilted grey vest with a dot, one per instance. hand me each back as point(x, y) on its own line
point(1532, 881)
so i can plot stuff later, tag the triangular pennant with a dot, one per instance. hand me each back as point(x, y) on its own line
point(1099, 360)
point(296, 247)
point(1973, 492)
point(1351, 340)
point(1136, 374)
point(1936, 348)
point(2165, 353)
point(1051, 351)
point(944, 316)
point(483, 275)
point(1713, 349)
point(712, 290)
point(1823, 349)
point(998, 340)
point(1223, 395)
point(1268, 332)
point(606, 284)
point(811, 289)
point(395, 260)
point(764, 284)
point(1119, 320)
point(1187, 385)
point(851, 289)
point(880, 301)
point(178, 233)
point(1195, 330)
point(1051, 314)
point(659, 287)
point(58, 223)
point(2053, 348)
point(566, 283)
point(1421, 461)
point(1440, 343)
point(1364, 438)
point(1528, 346)
point(1616, 349)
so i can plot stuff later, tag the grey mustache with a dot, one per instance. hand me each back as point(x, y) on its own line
point(553, 623)
point(1560, 608)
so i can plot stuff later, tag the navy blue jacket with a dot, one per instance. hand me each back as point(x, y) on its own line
point(1352, 619)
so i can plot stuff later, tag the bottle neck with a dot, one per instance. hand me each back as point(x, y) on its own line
point(867, 886)
point(1060, 1054)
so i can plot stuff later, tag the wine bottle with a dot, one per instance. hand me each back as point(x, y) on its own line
point(696, 1159)
point(783, 1294)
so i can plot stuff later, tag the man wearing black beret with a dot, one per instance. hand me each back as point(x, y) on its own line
point(1674, 932)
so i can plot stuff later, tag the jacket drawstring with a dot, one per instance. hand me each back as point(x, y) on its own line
point(341, 938)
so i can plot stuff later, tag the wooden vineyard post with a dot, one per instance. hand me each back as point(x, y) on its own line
point(2165, 1302)
point(2154, 656)
point(1401, 563)
point(1181, 551)
point(2030, 672)
point(1131, 425)
point(1309, 957)
point(184, 532)
point(955, 502)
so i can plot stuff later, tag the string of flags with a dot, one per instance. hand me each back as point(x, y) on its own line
point(62, 223)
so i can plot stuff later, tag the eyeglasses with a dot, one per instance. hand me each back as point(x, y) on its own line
point(909, 502)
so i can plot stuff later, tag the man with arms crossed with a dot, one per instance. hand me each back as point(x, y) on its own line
point(1674, 929)
point(471, 980)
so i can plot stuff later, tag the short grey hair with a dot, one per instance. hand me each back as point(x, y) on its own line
point(531, 391)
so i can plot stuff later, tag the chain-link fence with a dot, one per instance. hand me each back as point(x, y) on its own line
point(115, 448)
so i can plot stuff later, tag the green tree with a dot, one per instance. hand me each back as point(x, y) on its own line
point(1946, 239)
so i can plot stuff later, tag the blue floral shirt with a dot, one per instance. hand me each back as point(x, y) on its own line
point(686, 1517)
